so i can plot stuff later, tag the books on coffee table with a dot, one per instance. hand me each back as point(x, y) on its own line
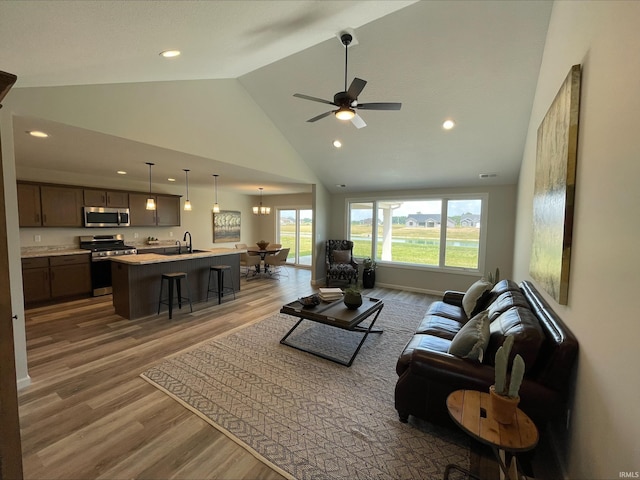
point(330, 294)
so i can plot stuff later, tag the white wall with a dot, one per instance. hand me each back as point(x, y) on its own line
point(500, 231)
point(603, 438)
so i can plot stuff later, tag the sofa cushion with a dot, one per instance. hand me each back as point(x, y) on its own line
point(523, 325)
point(473, 294)
point(427, 342)
point(438, 326)
point(472, 339)
point(442, 309)
point(504, 302)
point(498, 289)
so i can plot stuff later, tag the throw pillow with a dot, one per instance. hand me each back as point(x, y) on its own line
point(472, 339)
point(341, 256)
point(473, 294)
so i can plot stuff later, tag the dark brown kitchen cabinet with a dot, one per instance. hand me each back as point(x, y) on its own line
point(29, 211)
point(56, 277)
point(70, 275)
point(61, 206)
point(102, 198)
point(36, 285)
point(139, 216)
point(166, 214)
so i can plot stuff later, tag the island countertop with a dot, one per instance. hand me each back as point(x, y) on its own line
point(136, 279)
point(150, 258)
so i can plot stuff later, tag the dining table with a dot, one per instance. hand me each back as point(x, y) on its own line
point(263, 252)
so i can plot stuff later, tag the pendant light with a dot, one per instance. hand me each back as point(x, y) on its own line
point(216, 207)
point(187, 203)
point(259, 209)
point(151, 201)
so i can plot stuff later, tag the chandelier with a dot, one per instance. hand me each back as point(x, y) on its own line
point(259, 209)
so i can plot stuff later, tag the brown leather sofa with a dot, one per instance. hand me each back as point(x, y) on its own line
point(428, 374)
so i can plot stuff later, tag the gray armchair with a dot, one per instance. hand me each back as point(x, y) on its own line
point(339, 261)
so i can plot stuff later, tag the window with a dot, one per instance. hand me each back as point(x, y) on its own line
point(294, 232)
point(444, 232)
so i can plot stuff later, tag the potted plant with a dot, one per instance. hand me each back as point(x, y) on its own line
point(368, 272)
point(505, 395)
point(352, 298)
point(494, 278)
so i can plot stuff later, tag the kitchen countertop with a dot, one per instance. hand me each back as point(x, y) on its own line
point(34, 252)
point(150, 258)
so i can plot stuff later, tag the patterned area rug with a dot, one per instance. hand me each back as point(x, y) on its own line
point(307, 417)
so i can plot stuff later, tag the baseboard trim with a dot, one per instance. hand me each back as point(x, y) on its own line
point(410, 289)
point(24, 382)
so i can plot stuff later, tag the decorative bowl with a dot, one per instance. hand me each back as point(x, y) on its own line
point(262, 244)
point(310, 301)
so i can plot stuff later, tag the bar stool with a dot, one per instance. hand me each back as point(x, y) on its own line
point(220, 269)
point(174, 279)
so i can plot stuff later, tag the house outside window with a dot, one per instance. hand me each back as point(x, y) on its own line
point(445, 232)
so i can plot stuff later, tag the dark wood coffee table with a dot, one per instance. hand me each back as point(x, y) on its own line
point(337, 315)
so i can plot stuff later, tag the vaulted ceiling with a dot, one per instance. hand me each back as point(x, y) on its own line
point(475, 62)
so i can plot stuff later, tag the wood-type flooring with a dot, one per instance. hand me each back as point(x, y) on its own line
point(88, 415)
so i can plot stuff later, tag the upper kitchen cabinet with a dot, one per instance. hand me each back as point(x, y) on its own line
point(166, 214)
point(49, 206)
point(29, 210)
point(61, 206)
point(102, 198)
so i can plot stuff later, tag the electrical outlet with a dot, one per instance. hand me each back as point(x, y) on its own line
point(37, 238)
point(171, 234)
point(135, 235)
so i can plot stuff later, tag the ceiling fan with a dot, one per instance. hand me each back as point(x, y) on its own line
point(347, 101)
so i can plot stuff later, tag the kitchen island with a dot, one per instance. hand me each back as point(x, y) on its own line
point(136, 278)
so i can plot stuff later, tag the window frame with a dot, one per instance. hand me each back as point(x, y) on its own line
point(444, 199)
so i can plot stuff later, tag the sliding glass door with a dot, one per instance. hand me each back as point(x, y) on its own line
point(294, 232)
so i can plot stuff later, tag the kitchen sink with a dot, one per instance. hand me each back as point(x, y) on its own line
point(184, 252)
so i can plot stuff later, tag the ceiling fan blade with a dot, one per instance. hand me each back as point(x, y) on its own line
point(322, 115)
point(358, 121)
point(355, 88)
point(379, 106)
point(313, 99)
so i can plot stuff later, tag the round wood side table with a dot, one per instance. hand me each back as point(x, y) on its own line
point(471, 411)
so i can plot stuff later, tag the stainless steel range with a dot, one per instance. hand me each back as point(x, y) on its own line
point(103, 248)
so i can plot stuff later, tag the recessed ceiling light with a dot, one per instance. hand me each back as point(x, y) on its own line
point(170, 53)
point(171, 179)
point(448, 124)
point(337, 143)
point(121, 172)
point(38, 134)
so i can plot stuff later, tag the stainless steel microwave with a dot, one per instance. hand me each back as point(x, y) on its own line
point(106, 217)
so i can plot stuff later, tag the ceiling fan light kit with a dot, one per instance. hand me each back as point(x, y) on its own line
point(347, 100)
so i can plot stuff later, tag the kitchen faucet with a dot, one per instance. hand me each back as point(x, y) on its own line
point(189, 245)
point(179, 247)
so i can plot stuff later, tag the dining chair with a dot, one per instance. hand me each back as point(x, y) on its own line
point(277, 261)
point(251, 263)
